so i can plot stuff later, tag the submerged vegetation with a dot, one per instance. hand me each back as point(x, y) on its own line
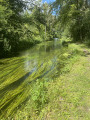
point(45, 55)
point(32, 92)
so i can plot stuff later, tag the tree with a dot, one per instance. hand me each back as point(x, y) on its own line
point(10, 22)
point(72, 15)
point(49, 21)
point(5, 13)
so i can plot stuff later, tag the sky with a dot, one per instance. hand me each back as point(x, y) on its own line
point(48, 1)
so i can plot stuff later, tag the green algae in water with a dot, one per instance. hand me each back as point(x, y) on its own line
point(19, 74)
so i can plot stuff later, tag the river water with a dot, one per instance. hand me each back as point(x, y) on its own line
point(18, 73)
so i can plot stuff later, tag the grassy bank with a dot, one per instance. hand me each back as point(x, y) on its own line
point(62, 95)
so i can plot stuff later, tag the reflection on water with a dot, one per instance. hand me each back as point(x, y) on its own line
point(40, 54)
point(18, 72)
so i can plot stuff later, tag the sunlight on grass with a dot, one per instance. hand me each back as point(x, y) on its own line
point(51, 88)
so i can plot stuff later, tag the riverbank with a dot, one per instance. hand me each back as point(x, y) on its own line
point(57, 89)
point(21, 46)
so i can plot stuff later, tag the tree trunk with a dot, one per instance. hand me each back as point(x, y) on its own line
point(45, 32)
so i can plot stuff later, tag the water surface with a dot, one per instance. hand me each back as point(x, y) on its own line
point(17, 74)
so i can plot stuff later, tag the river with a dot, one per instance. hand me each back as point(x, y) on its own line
point(17, 74)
